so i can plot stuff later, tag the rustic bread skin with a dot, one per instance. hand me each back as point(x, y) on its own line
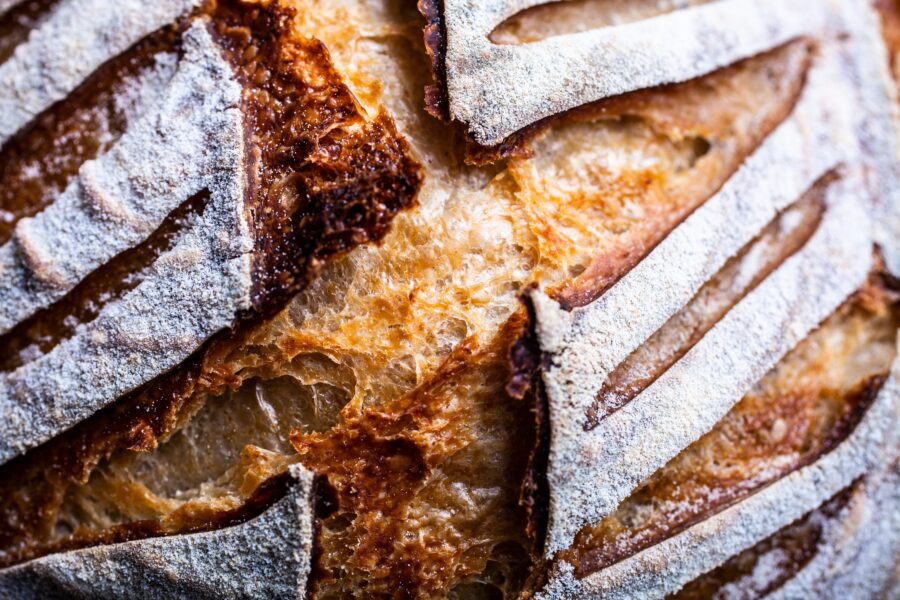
point(396, 361)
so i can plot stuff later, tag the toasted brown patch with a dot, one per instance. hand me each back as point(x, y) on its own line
point(394, 465)
point(890, 20)
point(328, 180)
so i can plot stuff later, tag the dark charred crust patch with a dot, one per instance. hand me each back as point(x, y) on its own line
point(525, 385)
point(326, 180)
point(536, 488)
point(437, 100)
point(797, 545)
point(524, 354)
point(326, 502)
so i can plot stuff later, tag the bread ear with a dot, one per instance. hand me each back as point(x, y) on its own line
point(267, 557)
point(596, 463)
point(497, 90)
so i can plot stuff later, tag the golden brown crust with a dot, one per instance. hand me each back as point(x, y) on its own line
point(890, 18)
point(328, 181)
point(382, 460)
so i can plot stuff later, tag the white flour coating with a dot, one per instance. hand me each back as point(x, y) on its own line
point(592, 472)
point(135, 96)
point(267, 557)
point(77, 37)
point(667, 566)
point(117, 200)
point(850, 561)
point(496, 90)
point(589, 343)
point(878, 123)
point(191, 292)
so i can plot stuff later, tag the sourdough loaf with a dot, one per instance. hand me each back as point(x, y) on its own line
point(504, 299)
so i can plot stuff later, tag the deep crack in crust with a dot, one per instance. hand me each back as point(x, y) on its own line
point(327, 180)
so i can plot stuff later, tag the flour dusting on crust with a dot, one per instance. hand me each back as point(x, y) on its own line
point(497, 90)
point(595, 339)
point(591, 472)
point(664, 568)
point(117, 200)
point(191, 292)
point(267, 557)
point(78, 37)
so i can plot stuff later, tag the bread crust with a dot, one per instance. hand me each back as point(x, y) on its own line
point(384, 346)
